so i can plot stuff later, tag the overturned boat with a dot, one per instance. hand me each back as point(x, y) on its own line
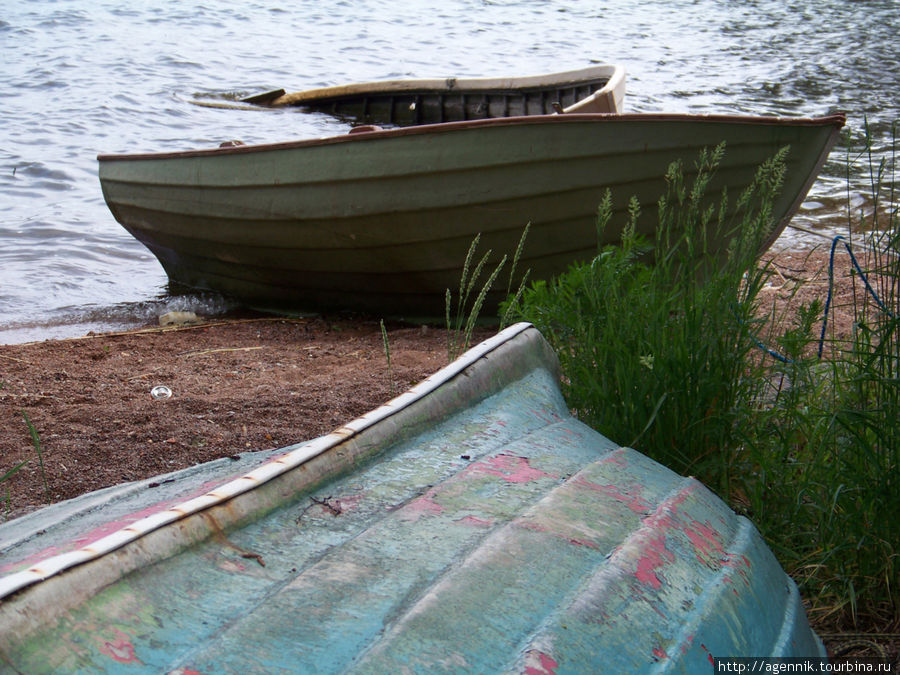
point(469, 525)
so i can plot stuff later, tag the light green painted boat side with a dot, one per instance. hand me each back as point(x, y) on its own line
point(381, 221)
point(470, 525)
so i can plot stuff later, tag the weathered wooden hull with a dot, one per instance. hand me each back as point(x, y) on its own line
point(381, 221)
point(470, 525)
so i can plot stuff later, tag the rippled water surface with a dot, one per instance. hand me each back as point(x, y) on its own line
point(81, 78)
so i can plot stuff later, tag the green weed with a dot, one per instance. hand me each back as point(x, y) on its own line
point(461, 325)
point(4, 478)
point(387, 354)
point(460, 328)
point(820, 460)
point(652, 335)
point(658, 345)
point(36, 441)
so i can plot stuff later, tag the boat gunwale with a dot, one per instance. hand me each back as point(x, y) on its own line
point(837, 119)
point(613, 73)
point(295, 456)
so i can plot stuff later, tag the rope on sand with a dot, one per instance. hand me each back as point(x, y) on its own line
point(862, 275)
point(828, 298)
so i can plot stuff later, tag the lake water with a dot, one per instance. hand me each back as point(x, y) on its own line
point(82, 77)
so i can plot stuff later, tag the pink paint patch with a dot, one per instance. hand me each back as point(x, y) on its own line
point(475, 522)
point(423, 506)
point(666, 514)
point(547, 416)
point(532, 525)
point(31, 561)
point(741, 565)
point(510, 468)
point(535, 526)
point(231, 566)
point(655, 556)
point(616, 457)
point(350, 502)
point(705, 540)
point(645, 572)
point(120, 649)
point(538, 663)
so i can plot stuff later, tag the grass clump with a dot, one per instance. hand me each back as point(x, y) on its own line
point(6, 477)
point(461, 323)
point(36, 442)
point(821, 459)
point(3, 479)
point(658, 348)
point(652, 335)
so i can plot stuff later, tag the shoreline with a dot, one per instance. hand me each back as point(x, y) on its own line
point(87, 391)
point(244, 385)
point(237, 386)
point(253, 383)
point(127, 317)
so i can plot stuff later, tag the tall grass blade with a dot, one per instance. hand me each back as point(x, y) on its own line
point(508, 306)
point(387, 354)
point(36, 441)
point(4, 478)
point(13, 471)
point(459, 333)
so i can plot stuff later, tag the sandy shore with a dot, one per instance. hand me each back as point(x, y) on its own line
point(236, 386)
point(239, 386)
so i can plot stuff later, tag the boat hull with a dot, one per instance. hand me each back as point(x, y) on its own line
point(381, 221)
point(469, 525)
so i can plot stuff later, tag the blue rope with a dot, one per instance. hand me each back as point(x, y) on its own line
point(862, 276)
point(771, 352)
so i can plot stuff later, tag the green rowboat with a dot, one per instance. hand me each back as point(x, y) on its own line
point(380, 219)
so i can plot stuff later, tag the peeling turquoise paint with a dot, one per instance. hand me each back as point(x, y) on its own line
point(504, 537)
